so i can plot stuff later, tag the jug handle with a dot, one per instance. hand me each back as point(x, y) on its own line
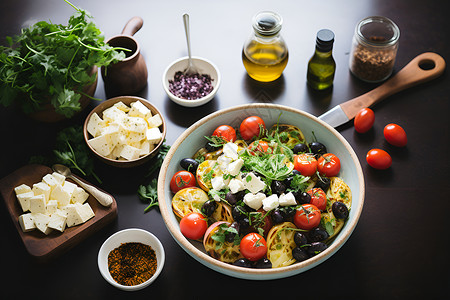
point(133, 26)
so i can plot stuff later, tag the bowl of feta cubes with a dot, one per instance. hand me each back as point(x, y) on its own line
point(125, 131)
point(249, 210)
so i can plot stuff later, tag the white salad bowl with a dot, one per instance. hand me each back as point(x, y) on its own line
point(193, 139)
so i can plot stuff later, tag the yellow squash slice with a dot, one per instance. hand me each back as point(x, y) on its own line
point(223, 251)
point(188, 200)
point(290, 135)
point(280, 243)
point(223, 213)
point(206, 171)
point(339, 191)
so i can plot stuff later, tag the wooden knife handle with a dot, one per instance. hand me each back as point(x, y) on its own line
point(412, 74)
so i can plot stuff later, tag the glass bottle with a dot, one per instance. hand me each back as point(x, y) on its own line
point(374, 49)
point(321, 66)
point(265, 54)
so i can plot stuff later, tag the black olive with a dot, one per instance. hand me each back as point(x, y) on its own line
point(243, 262)
point(300, 238)
point(239, 212)
point(340, 210)
point(211, 148)
point(300, 148)
point(263, 263)
point(234, 198)
point(316, 247)
point(189, 164)
point(318, 148)
point(303, 197)
point(317, 235)
point(277, 216)
point(323, 183)
point(299, 254)
point(229, 236)
point(278, 187)
point(208, 208)
point(287, 212)
point(244, 223)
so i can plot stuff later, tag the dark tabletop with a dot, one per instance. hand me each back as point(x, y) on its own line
point(399, 248)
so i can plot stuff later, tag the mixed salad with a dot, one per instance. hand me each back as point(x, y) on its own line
point(259, 197)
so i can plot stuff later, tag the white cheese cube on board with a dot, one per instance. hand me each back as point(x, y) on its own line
point(94, 125)
point(137, 109)
point(114, 114)
point(122, 106)
point(235, 167)
point(24, 200)
point(41, 222)
point(254, 200)
point(129, 153)
point(57, 221)
point(69, 187)
point(253, 183)
point(50, 181)
point(22, 189)
point(38, 204)
point(51, 207)
point(270, 202)
point(59, 177)
point(236, 185)
point(101, 144)
point(287, 199)
point(154, 135)
point(41, 188)
point(61, 195)
point(79, 195)
point(73, 218)
point(26, 222)
point(154, 121)
point(85, 212)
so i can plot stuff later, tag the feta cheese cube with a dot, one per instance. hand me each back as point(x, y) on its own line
point(235, 167)
point(154, 121)
point(102, 144)
point(41, 222)
point(270, 202)
point(230, 150)
point(94, 125)
point(22, 189)
point(129, 152)
point(85, 212)
point(59, 177)
point(61, 195)
point(79, 195)
point(114, 114)
point(113, 131)
point(137, 109)
point(134, 138)
point(69, 187)
point(287, 199)
point(122, 106)
point(253, 183)
point(57, 221)
point(73, 218)
point(236, 185)
point(218, 183)
point(254, 200)
point(24, 200)
point(224, 162)
point(26, 222)
point(37, 204)
point(41, 188)
point(51, 207)
point(135, 124)
point(50, 181)
point(154, 135)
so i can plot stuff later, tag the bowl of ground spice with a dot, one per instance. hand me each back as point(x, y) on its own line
point(131, 259)
point(191, 90)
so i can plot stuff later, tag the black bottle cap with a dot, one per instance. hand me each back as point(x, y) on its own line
point(325, 40)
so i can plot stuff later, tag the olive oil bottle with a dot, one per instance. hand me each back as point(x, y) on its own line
point(265, 54)
point(321, 66)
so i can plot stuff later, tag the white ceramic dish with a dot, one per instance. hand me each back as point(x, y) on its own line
point(204, 67)
point(126, 236)
point(193, 138)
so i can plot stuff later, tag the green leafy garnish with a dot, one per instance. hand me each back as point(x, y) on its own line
point(51, 63)
point(149, 194)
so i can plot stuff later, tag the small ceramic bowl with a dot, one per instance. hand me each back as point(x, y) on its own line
point(204, 66)
point(128, 236)
point(127, 100)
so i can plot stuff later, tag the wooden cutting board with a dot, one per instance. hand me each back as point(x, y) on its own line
point(40, 246)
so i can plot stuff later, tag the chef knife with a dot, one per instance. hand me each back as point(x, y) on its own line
point(422, 68)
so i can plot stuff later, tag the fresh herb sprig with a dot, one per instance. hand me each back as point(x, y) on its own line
point(51, 62)
point(149, 193)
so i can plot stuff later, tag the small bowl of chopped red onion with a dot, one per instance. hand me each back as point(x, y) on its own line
point(191, 90)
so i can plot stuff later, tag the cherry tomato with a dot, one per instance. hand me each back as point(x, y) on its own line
point(378, 159)
point(257, 147)
point(193, 225)
point(181, 180)
point(307, 217)
point(328, 165)
point(395, 135)
point(306, 164)
point(226, 132)
point(250, 127)
point(318, 198)
point(364, 120)
point(253, 246)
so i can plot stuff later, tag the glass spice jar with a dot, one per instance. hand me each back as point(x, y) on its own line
point(374, 49)
point(265, 54)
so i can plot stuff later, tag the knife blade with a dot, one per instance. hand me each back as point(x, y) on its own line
point(411, 75)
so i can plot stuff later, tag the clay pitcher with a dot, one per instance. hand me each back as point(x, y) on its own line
point(128, 76)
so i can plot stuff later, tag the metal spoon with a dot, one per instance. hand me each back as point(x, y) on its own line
point(191, 69)
point(103, 198)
